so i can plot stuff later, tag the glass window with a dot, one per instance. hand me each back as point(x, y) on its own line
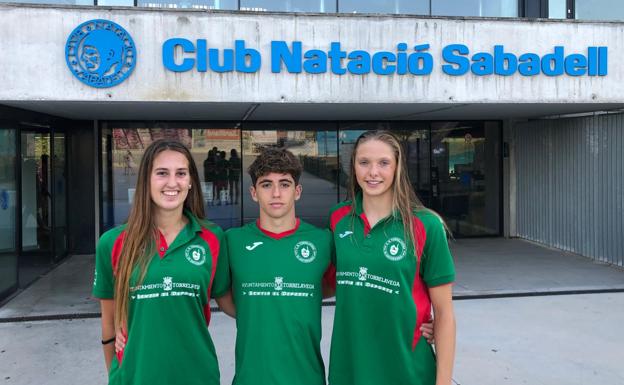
point(315, 145)
point(60, 196)
point(36, 191)
point(557, 9)
point(465, 176)
point(64, 2)
point(216, 151)
point(411, 7)
point(493, 8)
point(454, 168)
point(116, 3)
point(194, 4)
point(8, 205)
point(288, 5)
point(599, 9)
point(415, 139)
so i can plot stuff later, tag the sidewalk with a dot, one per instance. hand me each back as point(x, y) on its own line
point(539, 339)
point(485, 267)
point(545, 340)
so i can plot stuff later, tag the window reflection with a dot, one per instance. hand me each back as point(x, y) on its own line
point(192, 4)
point(216, 154)
point(8, 185)
point(492, 8)
point(599, 10)
point(36, 191)
point(8, 196)
point(289, 5)
point(454, 167)
point(115, 3)
point(317, 152)
point(465, 176)
point(63, 2)
point(413, 7)
point(557, 9)
point(415, 138)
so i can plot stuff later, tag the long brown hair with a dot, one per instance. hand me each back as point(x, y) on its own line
point(141, 232)
point(404, 199)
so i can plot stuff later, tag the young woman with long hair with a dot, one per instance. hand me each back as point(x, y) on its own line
point(392, 266)
point(155, 275)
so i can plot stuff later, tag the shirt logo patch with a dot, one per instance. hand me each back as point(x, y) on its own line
point(394, 249)
point(345, 234)
point(167, 283)
point(195, 254)
point(305, 251)
point(363, 273)
point(279, 283)
point(253, 245)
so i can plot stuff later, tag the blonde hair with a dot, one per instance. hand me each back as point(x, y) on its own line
point(141, 233)
point(404, 199)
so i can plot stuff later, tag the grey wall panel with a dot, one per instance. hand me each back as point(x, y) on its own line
point(570, 184)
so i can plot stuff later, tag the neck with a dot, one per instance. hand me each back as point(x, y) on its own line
point(278, 225)
point(377, 207)
point(170, 221)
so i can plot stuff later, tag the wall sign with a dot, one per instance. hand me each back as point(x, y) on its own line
point(457, 60)
point(100, 53)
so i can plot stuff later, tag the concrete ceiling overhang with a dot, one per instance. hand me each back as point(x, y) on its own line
point(305, 111)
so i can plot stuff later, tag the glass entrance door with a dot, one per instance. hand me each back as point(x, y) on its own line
point(43, 197)
point(8, 211)
point(36, 192)
point(59, 195)
point(465, 176)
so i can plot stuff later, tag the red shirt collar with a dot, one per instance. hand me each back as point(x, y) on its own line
point(278, 235)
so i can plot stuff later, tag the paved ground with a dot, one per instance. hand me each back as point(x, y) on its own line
point(543, 340)
point(485, 267)
point(496, 266)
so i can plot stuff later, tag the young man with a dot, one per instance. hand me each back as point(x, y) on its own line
point(277, 265)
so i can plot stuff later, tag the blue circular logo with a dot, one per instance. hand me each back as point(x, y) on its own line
point(100, 53)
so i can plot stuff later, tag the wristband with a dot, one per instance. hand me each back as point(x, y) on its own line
point(109, 341)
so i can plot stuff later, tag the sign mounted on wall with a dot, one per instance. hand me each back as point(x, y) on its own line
point(404, 60)
point(100, 53)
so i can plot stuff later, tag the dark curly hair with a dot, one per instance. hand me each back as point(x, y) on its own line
point(278, 160)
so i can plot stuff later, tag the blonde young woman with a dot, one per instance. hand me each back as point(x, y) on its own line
point(393, 266)
point(155, 275)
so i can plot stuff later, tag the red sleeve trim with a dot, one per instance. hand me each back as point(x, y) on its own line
point(420, 292)
point(116, 253)
point(337, 216)
point(213, 243)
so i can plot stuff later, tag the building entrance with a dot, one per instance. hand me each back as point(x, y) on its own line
point(455, 167)
point(43, 198)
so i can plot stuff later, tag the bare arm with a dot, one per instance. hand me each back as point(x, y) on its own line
point(108, 329)
point(226, 304)
point(444, 332)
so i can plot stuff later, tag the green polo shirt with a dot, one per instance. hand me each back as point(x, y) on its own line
point(276, 283)
point(382, 297)
point(168, 340)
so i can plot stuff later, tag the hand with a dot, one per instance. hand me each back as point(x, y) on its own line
point(426, 329)
point(120, 341)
